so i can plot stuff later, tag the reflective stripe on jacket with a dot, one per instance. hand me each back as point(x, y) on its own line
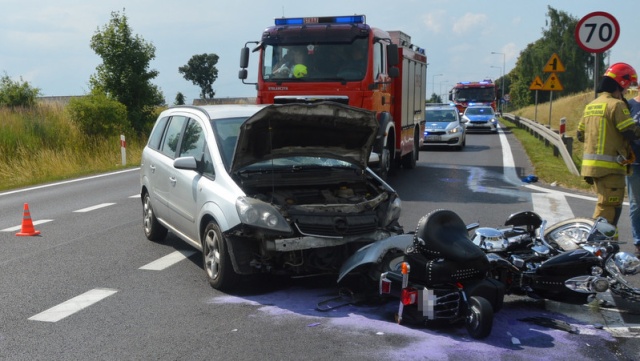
point(603, 122)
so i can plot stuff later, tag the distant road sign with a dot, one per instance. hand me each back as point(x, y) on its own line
point(553, 83)
point(597, 32)
point(536, 84)
point(554, 65)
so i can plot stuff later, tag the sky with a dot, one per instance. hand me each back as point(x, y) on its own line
point(47, 43)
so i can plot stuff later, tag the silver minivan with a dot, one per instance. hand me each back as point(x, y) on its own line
point(278, 189)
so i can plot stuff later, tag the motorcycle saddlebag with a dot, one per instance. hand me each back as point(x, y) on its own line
point(488, 288)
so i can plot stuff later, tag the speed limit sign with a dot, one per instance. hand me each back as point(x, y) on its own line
point(596, 32)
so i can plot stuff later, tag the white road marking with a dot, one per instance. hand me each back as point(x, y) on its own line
point(508, 163)
point(69, 181)
point(135, 196)
point(93, 208)
point(551, 207)
point(168, 260)
point(17, 228)
point(67, 308)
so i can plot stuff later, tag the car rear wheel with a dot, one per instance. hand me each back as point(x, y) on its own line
point(216, 259)
point(153, 230)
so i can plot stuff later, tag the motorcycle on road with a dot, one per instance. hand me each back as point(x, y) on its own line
point(570, 261)
point(439, 276)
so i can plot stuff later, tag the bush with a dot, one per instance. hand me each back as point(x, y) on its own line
point(17, 93)
point(97, 114)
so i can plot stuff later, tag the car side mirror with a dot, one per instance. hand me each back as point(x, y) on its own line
point(188, 163)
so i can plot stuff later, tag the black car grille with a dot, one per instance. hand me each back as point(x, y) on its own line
point(336, 224)
point(435, 133)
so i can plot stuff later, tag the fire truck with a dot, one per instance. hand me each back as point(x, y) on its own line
point(468, 93)
point(343, 59)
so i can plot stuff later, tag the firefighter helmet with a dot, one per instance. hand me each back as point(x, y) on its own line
point(623, 73)
point(299, 71)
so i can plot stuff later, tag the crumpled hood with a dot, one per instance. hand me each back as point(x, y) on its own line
point(324, 129)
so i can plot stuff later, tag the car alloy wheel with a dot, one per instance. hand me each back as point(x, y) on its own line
point(153, 230)
point(216, 259)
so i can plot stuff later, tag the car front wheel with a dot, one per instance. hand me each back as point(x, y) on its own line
point(216, 259)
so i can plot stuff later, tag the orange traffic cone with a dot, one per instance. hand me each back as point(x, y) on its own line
point(27, 224)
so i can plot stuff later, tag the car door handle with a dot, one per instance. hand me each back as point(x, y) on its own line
point(173, 180)
point(153, 168)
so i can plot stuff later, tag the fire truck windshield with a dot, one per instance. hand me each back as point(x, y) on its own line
point(315, 62)
point(475, 94)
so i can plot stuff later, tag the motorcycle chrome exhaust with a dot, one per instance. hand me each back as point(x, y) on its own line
point(587, 284)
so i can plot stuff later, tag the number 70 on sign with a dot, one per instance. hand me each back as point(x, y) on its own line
point(597, 32)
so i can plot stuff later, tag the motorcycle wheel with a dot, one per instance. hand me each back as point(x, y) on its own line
point(479, 321)
point(581, 225)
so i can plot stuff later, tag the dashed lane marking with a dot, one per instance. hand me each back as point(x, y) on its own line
point(93, 208)
point(68, 308)
point(17, 228)
point(167, 261)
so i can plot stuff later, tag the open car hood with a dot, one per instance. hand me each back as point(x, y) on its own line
point(324, 129)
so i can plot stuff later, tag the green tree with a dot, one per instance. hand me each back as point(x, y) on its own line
point(124, 74)
point(558, 38)
point(180, 99)
point(201, 71)
point(435, 98)
point(98, 115)
point(17, 93)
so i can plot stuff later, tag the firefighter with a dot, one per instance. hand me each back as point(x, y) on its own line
point(607, 129)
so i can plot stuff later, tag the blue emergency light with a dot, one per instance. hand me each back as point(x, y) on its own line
point(353, 19)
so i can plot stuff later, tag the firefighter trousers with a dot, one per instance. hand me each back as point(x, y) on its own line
point(610, 190)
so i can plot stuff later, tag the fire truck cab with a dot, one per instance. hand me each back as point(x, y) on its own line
point(343, 59)
point(467, 93)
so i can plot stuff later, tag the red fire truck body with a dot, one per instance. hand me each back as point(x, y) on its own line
point(343, 59)
point(467, 93)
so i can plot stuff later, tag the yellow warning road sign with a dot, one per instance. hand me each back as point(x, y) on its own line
point(536, 84)
point(552, 83)
point(554, 65)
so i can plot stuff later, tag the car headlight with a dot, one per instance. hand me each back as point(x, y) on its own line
point(256, 213)
point(454, 130)
point(393, 214)
point(493, 120)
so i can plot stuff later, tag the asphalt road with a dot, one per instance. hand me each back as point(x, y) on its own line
point(91, 286)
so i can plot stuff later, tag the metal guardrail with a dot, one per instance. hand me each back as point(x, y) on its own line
point(550, 137)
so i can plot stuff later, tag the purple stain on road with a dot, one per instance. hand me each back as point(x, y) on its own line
point(435, 343)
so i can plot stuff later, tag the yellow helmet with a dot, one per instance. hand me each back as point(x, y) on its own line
point(299, 71)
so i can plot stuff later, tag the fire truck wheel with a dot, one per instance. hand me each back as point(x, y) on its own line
point(409, 160)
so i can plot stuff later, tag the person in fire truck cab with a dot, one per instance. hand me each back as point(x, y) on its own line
point(607, 129)
point(292, 64)
point(355, 63)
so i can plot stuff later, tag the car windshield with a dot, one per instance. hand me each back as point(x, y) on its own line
point(226, 132)
point(440, 115)
point(479, 111)
point(317, 62)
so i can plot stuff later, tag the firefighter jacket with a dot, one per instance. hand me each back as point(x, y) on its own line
point(603, 122)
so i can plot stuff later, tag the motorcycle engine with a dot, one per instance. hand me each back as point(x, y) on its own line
point(490, 239)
